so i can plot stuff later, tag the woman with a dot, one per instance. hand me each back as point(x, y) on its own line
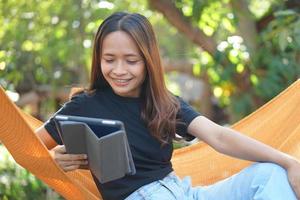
point(127, 84)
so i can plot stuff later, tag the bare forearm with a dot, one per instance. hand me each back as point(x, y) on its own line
point(43, 134)
point(233, 143)
point(237, 145)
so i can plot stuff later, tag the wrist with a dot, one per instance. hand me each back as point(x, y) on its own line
point(290, 161)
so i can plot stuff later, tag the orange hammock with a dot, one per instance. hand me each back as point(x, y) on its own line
point(277, 123)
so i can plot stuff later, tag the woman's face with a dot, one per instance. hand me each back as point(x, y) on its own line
point(122, 65)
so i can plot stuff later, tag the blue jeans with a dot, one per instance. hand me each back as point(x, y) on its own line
point(260, 181)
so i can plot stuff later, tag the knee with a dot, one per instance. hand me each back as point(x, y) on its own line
point(268, 169)
point(271, 182)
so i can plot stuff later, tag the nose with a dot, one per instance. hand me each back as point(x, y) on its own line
point(119, 69)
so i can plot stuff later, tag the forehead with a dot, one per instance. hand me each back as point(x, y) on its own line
point(119, 42)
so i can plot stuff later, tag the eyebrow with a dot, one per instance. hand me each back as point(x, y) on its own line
point(126, 55)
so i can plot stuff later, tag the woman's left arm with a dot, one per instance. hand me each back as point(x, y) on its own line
point(233, 143)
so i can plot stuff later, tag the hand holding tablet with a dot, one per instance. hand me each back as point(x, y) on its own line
point(104, 141)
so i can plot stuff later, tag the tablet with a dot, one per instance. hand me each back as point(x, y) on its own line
point(100, 127)
point(104, 141)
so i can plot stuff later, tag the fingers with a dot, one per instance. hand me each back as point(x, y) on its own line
point(61, 154)
point(60, 149)
point(71, 168)
point(70, 157)
point(73, 162)
point(68, 162)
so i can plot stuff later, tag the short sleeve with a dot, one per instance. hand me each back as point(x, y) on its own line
point(71, 107)
point(185, 116)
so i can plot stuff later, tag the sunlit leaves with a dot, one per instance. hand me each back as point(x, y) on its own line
point(29, 45)
point(224, 91)
point(214, 76)
point(60, 33)
point(214, 17)
point(228, 25)
point(2, 65)
point(2, 54)
point(91, 27)
point(259, 7)
point(254, 79)
point(240, 68)
point(206, 58)
point(197, 69)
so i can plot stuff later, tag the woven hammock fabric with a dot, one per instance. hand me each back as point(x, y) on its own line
point(277, 123)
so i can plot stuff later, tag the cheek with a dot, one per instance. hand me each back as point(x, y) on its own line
point(104, 68)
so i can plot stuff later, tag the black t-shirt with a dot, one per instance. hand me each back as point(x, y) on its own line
point(151, 159)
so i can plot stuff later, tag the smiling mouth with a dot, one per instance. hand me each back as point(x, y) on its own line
point(121, 80)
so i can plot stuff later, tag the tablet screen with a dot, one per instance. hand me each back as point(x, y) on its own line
point(100, 127)
point(101, 131)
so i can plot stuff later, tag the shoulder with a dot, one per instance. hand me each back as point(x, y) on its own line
point(186, 112)
point(81, 98)
point(182, 103)
point(85, 96)
point(78, 103)
point(78, 97)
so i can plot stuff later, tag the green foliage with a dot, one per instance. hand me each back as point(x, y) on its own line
point(42, 43)
point(49, 42)
point(18, 183)
point(274, 66)
point(278, 59)
point(240, 80)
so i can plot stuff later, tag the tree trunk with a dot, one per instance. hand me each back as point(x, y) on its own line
point(177, 19)
point(246, 26)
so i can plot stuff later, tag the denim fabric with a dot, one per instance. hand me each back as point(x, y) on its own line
point(260, 181)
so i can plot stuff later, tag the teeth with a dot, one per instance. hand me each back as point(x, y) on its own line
point(121, 80)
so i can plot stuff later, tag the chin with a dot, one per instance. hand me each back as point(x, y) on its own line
point(123, 93)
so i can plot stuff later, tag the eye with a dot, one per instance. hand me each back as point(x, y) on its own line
point(109, 60)
point(132, 62)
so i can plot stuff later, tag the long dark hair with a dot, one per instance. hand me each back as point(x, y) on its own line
point(160, 107)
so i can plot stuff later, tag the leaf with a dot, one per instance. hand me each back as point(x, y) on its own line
point(297, 32)
point(282, 40)
point(284, 13)
point(197, 9)
point(197, 69)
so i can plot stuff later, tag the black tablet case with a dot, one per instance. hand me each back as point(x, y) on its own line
point(109, 155)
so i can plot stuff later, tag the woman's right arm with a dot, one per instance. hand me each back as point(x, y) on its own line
point(45, 137)
point(67, 162)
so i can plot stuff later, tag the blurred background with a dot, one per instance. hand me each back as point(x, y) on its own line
point(225, 57)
